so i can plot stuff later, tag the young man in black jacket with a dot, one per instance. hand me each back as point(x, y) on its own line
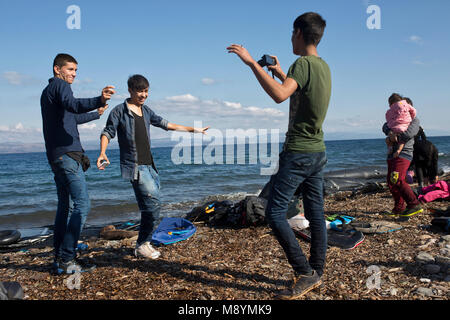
point(61, 113)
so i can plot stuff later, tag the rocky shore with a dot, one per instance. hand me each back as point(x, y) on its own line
point(227, 264)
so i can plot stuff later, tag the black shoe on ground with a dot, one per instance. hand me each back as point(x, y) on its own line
point(302, 285)
point(408, 212)
point(74, 266)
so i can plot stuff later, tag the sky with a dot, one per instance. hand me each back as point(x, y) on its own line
point(180, 46)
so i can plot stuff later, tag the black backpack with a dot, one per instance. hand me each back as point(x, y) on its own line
point(248, 212)
point(211, 212)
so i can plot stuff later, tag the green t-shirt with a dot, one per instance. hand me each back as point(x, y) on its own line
point(308, 105)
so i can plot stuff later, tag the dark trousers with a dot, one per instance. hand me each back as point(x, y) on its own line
point(73, 206)
point(295, 169)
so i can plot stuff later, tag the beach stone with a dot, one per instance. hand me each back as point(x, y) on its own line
point(111, 233)
point(427, 292)
point(443, 260)
point(425, 280)
point(445, 252)
point(424, 257)
point(446, 238)
point(432, 268)
point(393, 291)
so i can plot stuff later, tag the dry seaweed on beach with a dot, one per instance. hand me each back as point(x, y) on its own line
point(408, 264)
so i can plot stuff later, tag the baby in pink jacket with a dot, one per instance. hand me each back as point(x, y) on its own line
point(398, 118)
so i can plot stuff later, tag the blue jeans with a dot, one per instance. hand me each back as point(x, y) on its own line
point(305, 170)
point(146, 189)
point(73, 206)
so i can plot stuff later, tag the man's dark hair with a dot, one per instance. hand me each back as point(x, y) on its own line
point(312, 26)
point(62, 59)
point(409, 101)
point(138, 83)
point(395, 97)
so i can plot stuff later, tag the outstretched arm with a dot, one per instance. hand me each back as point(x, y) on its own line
point(278, 92)
point(179, 127)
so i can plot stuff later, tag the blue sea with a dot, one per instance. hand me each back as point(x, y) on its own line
point(28, 193)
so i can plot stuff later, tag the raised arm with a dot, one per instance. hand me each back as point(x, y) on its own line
point(278, 92)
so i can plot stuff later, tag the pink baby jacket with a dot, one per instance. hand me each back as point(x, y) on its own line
point(399, 116)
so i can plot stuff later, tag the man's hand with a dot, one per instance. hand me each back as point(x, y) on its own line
point(102, 109)
point(396, 154)
point(201, 130)
point(241, 53)
point(100, 158)
point(107, 92)
point(276, 69)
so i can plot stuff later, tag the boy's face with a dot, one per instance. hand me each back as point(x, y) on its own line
point(297, 43)
point(138, 97)
point(68, 72)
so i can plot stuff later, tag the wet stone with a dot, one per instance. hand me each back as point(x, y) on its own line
point(424, 257)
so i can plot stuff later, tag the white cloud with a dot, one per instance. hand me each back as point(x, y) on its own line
point(218, 114)
point(186, 98)
point(415, 39)
point(118, 96)
point(234, 105)
point(20, 133)
point(87, 126)
point(418, 62)
point(208, 81)
point(83, 81)
point(16, 79)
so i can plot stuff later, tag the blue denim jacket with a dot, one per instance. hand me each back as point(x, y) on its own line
point(121, 120)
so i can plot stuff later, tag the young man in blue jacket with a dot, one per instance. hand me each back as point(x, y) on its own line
point(308, 85)
point(131, 121)
point(61, 114)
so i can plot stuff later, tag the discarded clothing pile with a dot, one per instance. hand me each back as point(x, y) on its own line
point(438, 190)
point(245, 213)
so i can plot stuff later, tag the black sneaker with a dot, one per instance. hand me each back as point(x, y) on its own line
point(412, 211)
point(302, 285)
point(74, 266)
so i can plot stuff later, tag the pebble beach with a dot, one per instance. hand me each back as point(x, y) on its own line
point(248, 264)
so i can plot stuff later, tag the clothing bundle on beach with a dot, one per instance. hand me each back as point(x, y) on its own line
point(245, 213)
point(438, 190)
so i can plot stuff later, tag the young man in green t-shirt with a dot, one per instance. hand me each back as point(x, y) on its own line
point(308, 84)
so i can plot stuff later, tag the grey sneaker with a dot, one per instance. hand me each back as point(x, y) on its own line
point(147, 251)
point(302, 285)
